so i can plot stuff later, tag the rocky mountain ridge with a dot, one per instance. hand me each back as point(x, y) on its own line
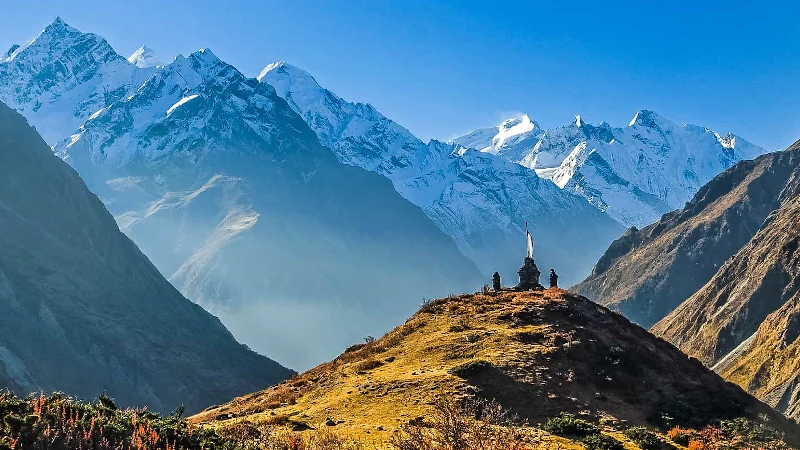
point(719, 278)
point(635, 173)
point(743, 322)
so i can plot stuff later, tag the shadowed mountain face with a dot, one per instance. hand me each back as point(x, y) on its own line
point(82, 310)
point(537, 353)
point(647, 273)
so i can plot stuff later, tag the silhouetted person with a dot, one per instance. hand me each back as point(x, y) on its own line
point(553, 278)
point(496, 281)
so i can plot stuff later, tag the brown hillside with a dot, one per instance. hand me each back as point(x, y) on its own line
point(647, 273)
point(536, 353)
point(746, 319)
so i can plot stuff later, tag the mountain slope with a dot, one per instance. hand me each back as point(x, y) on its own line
point(480, 200)
point(635, 174)
point(647, 273)
point(83, 311)
point(233, 198)
point(538, 354)
point(743, 321)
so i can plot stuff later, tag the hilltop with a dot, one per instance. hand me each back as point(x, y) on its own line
point(538, 354)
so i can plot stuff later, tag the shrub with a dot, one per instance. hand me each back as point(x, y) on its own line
point(698, 445)
point(602, 442)
point(679, 436)
point(250, 436)
point(354, 347)
point(644, 438)
point(471, 368)
point(476, 425)
point(60, 422)
point(463, 323)
point(286, 420)
point(367, 365)
point(749, 430)
point(568, 425)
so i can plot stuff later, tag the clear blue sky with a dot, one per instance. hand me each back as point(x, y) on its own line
point(442, 68)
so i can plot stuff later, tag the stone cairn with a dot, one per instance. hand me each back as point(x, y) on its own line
point(529, 276)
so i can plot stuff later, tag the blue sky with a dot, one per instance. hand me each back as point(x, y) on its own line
point(443, 68)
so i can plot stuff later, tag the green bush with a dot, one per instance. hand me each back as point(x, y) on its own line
point(568, 425)
point(602, 442)
point(748, 430)
point(644, 438)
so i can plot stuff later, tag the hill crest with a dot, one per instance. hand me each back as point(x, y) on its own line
point(536, 353)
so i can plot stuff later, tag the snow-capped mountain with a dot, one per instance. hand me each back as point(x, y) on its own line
point(144, 57)
point(481, 200)
point(635, 173)
point(230, 194)
point(63, 76)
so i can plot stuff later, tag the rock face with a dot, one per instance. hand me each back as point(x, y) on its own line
point(230, 194)
point(537, 353)
point(82, 310)
point(743, 322)
point(647, 273)
point(480, 200)
point(634, 174)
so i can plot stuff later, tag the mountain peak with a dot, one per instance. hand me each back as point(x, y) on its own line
point(578, 120)
point(645, 118)
point(517, 125)
point(282, 69)
point(57, 27)
point(144, 57)
point(59, 23)
point(205, 62)
point(204, 54)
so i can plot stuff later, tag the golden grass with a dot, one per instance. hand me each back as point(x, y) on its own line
point(373, 391)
